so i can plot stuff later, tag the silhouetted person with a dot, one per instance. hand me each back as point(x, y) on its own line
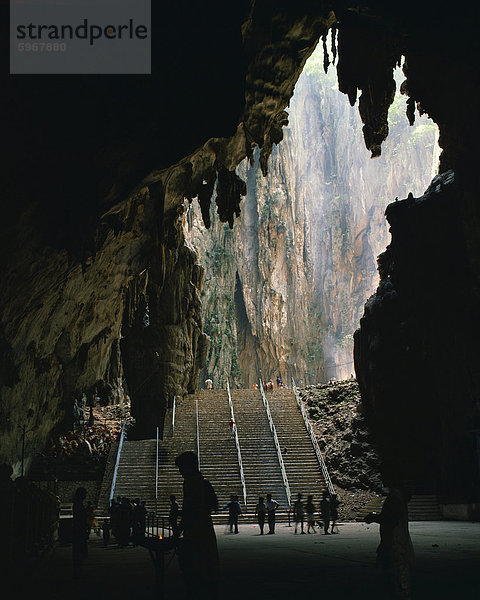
point(298, 513)
point(138, 522)
point(310, 509)
point(198, 554)
point(395, 552)
point(114, 518)
point(271, 506)
point(106, 532)
point(334, 511)
point(325, 508)
point(79, 532)
point(261, 511)
point(173, 514)
point(234, 510)
point(125, 523)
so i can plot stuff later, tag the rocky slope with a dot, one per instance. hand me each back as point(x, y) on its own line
point(336, 414)
point(285, 289)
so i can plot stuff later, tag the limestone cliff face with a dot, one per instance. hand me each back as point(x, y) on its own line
point(65, 339)
point(308, 236)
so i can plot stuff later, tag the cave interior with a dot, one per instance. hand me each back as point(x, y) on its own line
point(97, 169)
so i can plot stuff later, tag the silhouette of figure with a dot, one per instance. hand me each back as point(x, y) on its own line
point(395, 552)
point(298, 513)
point(310, 508)
point(198, 554)
point(231, 424)
point(334, 511)
point(79, 532)
point(125, 522)
point(261, 511)
point(139, 514)
point(106, 532)
point(234, 510)
point(271, 506)
point(325, 508)
point(173, 514)
point(114, 518)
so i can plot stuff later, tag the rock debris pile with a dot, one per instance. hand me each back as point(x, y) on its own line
point(335, 412)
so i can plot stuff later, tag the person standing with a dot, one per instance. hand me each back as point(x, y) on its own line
point(198, 553)
point(325, 507)
point(310, 508)
point(234, 510)
point(79, 532)
point(298, 513)
point(261, 511)
point(271, 506)
point(334, 511)
point(395, 553)
point(208, 384)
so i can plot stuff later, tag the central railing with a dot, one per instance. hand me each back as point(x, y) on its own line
point(313, 437)
point(237, 444)
point(117, 462)
point(198, 430)
point(277, 444)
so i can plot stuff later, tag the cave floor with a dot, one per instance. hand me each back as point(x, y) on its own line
point(278, 567)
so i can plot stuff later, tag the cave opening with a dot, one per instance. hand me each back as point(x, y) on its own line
point(83, 260)
point(304, 250)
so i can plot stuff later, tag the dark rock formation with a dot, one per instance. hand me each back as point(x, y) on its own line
point(416, 352)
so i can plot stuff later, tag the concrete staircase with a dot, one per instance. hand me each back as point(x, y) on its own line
point(422, 507)
point(259, 456)
point(301, 464)
point(136, 471)
point(218, 454)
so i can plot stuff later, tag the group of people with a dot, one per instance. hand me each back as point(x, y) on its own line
point(95, 441)
point(306, 512)
point(269, 385)
point(127, 521)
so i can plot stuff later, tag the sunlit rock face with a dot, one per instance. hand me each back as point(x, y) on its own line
point(286, 287)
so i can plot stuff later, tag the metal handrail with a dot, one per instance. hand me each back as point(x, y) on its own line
point(173, 415)
point(237, 444)
point(117, 462)
point(277, 444)
point(156, 477)
point(316, 447)
point(198, 432)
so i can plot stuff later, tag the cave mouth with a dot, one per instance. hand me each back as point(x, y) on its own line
point(286, 287)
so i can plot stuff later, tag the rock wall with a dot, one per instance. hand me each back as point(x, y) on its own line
point(416, 349)
point(286, 287)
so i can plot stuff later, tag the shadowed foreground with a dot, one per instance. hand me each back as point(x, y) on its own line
point(257, 567)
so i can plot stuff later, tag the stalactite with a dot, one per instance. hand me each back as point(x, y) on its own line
point(326, 59)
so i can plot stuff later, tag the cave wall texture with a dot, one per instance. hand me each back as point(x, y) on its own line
point(95, 171)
